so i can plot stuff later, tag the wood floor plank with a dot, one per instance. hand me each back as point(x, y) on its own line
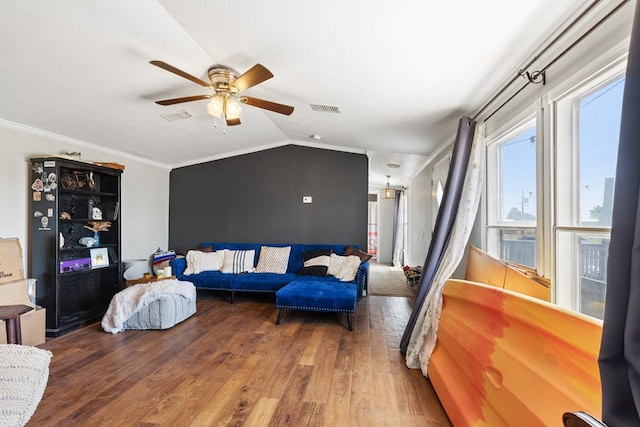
point(316, 341)
point(319, 384)
point(290, 402)
point(230, 365)
point(336, 409)
point(361, 384)
point(263, 410)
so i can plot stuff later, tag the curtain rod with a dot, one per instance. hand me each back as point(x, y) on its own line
point(544, 49)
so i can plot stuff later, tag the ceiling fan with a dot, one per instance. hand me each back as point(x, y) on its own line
point(226, 85)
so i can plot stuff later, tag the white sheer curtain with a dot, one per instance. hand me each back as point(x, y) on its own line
point(398, 249)
point(425, 332)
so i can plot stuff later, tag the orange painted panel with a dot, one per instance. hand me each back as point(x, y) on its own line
point(518, 282)
point(505, 359)
point(483, 268)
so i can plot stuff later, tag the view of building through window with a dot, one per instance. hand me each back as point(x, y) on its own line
point(599, 132)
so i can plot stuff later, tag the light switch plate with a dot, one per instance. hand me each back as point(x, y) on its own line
point(307, 199)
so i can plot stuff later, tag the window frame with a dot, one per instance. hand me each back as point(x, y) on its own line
point(555, 116)
point(567, 228)
point(493, 185)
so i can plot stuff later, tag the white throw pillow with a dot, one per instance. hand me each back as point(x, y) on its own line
point(237, 262)
point(198, 261)
point(273, 259)
point(344, 268)
point(319, 261)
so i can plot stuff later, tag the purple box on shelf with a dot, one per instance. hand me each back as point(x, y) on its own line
point(75, 265)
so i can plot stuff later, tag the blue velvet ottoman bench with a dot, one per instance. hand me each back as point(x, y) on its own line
point(325, 296)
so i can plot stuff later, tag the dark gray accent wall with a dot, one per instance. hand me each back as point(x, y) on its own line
point(257, 198)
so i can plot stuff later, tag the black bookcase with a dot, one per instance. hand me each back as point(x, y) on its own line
point(78, 270)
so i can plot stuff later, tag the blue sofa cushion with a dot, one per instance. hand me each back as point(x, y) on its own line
point(211, 280)
point(261, 282)
point(317, 279)
point(325, 295)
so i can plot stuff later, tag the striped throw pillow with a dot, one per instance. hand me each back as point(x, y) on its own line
point(237, 262)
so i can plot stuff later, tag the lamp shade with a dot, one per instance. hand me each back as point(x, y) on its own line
point(215, 106)
point(388, 192)
point(233, 108)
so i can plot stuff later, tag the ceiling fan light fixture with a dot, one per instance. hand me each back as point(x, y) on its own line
point(226, 85)
point(215, 107)
point(232, 108)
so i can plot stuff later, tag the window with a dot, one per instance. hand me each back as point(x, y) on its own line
point(571, 189)
point(588, 151)
point(512, 197)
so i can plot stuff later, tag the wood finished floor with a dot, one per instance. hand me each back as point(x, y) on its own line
point(230, 365)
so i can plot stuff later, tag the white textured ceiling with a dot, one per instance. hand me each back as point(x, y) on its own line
point(401, 72)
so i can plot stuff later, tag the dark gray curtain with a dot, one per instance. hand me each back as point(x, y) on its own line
point(620, 348)
point(445, 219)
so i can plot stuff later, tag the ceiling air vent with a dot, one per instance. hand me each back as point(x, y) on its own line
point(324, 108)
point(180, 115)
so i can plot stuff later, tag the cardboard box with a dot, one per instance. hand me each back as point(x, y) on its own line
point(11, 266)
point(17, 292)
point(32, 325)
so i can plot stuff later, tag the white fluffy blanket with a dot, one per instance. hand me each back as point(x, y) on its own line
point(126, 302)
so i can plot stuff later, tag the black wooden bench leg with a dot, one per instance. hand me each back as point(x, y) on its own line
point(233, 297)
point(349, 321)
point(279, 316)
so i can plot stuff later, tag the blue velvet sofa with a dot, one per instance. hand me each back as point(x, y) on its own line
point(264, 282)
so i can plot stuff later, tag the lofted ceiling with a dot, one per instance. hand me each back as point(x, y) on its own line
point(401, 73)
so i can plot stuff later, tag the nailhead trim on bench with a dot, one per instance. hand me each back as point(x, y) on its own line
point(296, 307)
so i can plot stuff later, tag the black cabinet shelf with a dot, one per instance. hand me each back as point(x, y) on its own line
point(89, 193)
point(84, 248)
point(106, 267)
point(75, 282)
point(84, 220)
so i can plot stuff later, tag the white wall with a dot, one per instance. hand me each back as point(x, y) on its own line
point(419, 218)
point(145, 189)
point(420, 200)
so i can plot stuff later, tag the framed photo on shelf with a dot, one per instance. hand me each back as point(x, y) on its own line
point(99, 257)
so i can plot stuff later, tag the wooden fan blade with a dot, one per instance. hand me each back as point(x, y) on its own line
point(184, 99)
point(267, 105)
point(181, 73)
point(233, 122)
point(257, 74)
